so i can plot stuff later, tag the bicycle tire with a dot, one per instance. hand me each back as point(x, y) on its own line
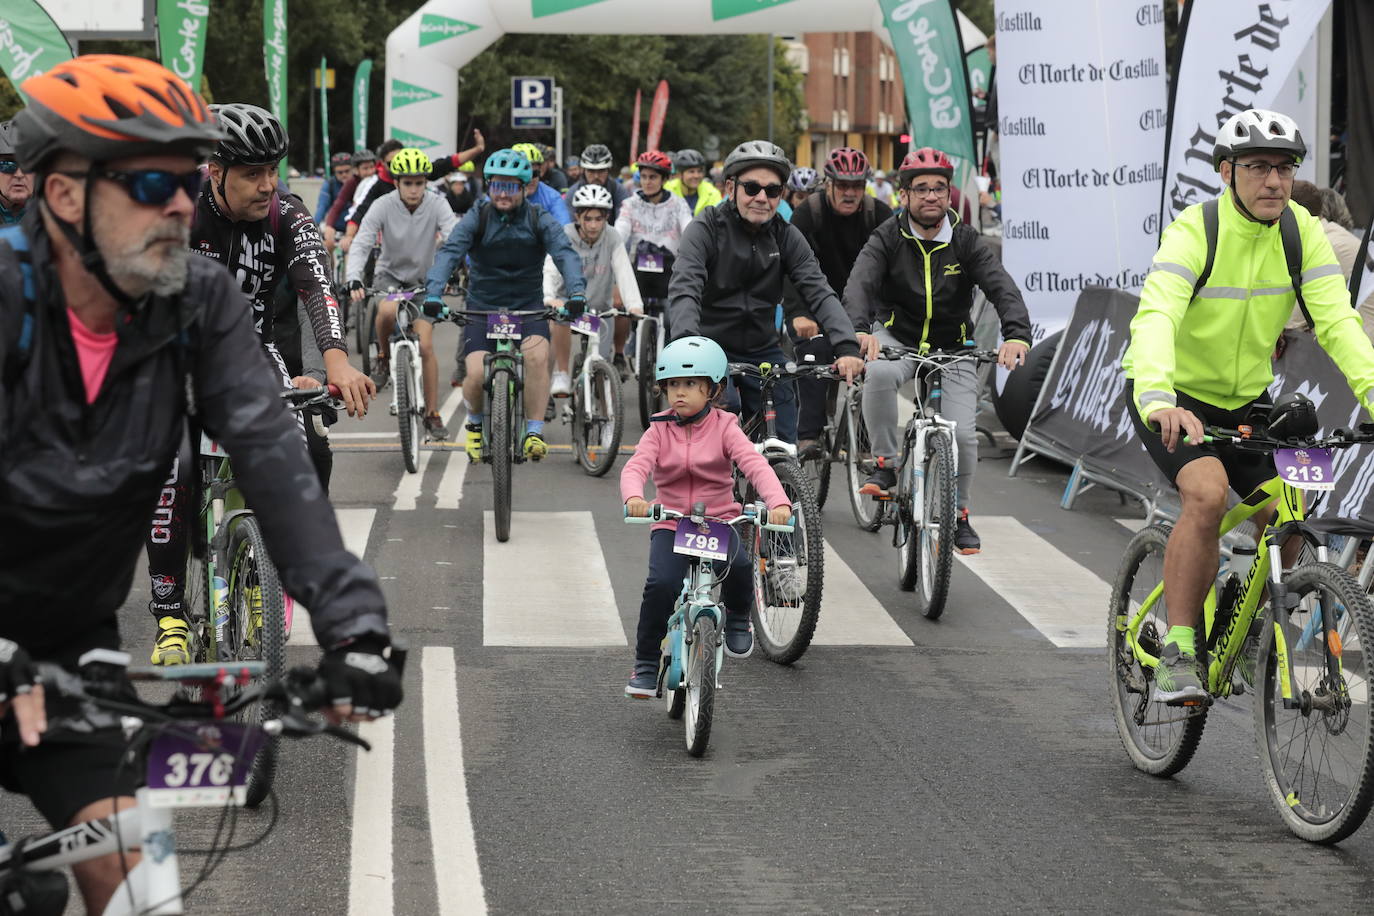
point(817, 467)
point(1341, 736)
point(649, 399)
point(366, 333)
point(251, 568)
point(360, 333)
point(407, 412)
point(499, 448)
point(858, 464)
point(935, 536)
point(784, 626)
point(701, 684)
point(601, 423)
point(1159, 739)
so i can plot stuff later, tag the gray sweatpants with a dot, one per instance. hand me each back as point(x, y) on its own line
point(959, 402)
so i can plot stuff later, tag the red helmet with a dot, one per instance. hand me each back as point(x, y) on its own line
point(847, 164)
point(656, 160)
point(925, 161)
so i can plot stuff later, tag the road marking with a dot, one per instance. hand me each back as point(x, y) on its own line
point(408, 490)
point(451, 405)
point(547, 585)
point(390, 435)
point(850, 615)
point(457, 872)
point(371, 879)
point(1130, 524)
point(356, 527)
point(1060, 598)
point(451, 485)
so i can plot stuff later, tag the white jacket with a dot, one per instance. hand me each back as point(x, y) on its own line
point(603, 265)
point(660, 224)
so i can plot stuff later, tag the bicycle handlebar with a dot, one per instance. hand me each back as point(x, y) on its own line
point(939, 357)
point(1247, 438)
point(750, 513)
point(301, 398)
point(465, 316)
point(776, 372)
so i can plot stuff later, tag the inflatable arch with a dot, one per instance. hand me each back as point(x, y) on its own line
point(424, 53)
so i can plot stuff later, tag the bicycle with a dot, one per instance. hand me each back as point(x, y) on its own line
point(650, 338)
point(503, 383)
point(236, 608)
point(788, 571)
point(924, 509)
point(693, 652)
point(407, 374)
point(830, 441)
point(857, 451)
point(1302, 648)
point(596, 414)
point(192, 756)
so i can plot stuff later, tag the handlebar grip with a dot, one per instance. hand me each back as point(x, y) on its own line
point(789, 528)
point(334, 391)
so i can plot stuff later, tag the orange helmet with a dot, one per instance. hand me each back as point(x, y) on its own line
point(107, 106)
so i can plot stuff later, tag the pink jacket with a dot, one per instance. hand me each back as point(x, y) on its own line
point(691, 464)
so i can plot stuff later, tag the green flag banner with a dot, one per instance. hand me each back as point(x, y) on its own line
point(414, 140)
point(181, 28)
point(30, 42)
point(361, 82)
point(324, 114)
point(925, 35)
point(403, 94)
point(437, 28)
point(274, 58)
point(979, 65)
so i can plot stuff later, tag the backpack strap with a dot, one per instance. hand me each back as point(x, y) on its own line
point(1211, 225)
point(18, 331)
point(484, 217)
point(1292, 253)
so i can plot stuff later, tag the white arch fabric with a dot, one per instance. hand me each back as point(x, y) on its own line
point(424, 53)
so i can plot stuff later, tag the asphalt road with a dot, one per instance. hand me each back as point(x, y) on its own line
point(969, 764)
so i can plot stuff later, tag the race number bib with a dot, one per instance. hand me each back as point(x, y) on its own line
point(708, 539)
point(587, 324)
point(1305, 468)
point(649, 263)
point(201, 765)
point(503, 326)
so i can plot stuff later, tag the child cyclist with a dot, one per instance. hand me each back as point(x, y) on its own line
point(690, 450)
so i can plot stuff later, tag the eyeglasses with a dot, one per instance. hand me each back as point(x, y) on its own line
point(752, 189)
point(153, 187)
point(8, 166)
point(921, 190)
point(1261, 170)
point(510, 188)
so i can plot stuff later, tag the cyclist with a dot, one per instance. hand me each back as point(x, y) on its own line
point(15, 188)
point(728, 278)
point(605, 267)
point(552, 175)
point(341, 165)
point(93, 405)
point(692, 184)
point(912, 286)
point(596, 169)
point(350, 195)
point(572, 167)
point(800, 184)
point(691, 452)
point(408, 220)
point(538, 192)
point(505, 239)
point(835, 223)
point(1200, 354)
point(651, 223)
point(244, 223)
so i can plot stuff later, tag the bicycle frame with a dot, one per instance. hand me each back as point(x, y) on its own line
point(221, 506)
point(403, 338)
point(591, 344)
point(652, 318)
point(762, 428)
point(695, 600)
point(506, 359)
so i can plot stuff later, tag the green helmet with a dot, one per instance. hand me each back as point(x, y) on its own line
point(531, 151)
point(409, 162)
point(508, 163)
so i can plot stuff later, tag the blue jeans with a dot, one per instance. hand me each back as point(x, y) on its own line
point(664, 584)
point(750, 391)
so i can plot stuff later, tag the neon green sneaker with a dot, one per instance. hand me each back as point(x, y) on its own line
point(535, 447)
point(1178, 678)
point(473, 445)
point(173, 644)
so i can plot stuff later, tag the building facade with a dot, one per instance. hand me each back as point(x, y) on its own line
point(853, 92)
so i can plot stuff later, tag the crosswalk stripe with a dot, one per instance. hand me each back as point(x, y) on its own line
point(408, 490)
point(850, 615)
point(547, 585)
point(371, 877)
point(450, 492)
point(457, 872)
point(356, 527)
point(1130, 524)
point(1060, 598)
point(451, 405)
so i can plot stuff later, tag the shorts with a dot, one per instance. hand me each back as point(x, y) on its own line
point(1245, 470)
point(475, 338)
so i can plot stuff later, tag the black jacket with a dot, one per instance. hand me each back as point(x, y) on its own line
point(836, 240)
point(78, 482)
point(922, 291)
point(727, 283)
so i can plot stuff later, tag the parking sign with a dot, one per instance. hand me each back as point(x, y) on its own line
point(531, 102)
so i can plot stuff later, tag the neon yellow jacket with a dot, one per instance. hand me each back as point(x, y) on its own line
point(707, 194)
point(1218, 347)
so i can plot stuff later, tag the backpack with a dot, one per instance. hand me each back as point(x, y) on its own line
point(1292, 250)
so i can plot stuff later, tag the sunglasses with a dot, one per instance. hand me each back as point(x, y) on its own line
point(505, 187)
point(153, 187)
point(752, 189)
point(8, 166)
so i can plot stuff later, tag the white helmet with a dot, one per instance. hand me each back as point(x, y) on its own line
point(1258, 130)
point(597, 156)
point(592, 196)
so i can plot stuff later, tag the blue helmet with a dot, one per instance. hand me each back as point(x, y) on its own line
point(689, 357)
point(508, 163)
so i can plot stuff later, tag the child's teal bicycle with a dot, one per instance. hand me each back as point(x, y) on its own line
point(689, 669)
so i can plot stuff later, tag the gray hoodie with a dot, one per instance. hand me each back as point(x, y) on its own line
point(408, 239)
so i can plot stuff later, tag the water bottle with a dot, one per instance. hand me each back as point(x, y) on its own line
point(221, 591)
point(1243, 557)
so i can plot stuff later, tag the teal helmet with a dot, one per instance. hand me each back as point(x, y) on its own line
point(508, 163)
point(689, 357)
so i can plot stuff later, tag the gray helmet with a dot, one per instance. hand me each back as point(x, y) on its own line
point(689, 159)
point(596, 156)
point(253, 135)
point(757, 154)
point(9, 136)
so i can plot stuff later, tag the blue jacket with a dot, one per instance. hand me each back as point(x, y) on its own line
point(328, 191)
point(506, 268)
point(548, 198)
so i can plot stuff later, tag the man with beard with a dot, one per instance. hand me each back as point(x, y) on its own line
point(14, 183)
point(113, 333)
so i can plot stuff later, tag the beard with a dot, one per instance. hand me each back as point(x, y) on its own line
point(147, 263)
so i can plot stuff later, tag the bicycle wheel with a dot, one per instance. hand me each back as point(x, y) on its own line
point(816, 464)
point(858, 464)
point(1159, 739)
point(702, 656)
point(931, 542)
point(650, 401)
point(256, 630)
point(407, 412)
point(1318, 759)
point(789, 573)
point(599, 424)
point(362, 332)
point(498, 447)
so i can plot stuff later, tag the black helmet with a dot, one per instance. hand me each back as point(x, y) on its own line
point(757, 154)
point(364, 155)
point(1294, 417)
point(689, 159)
point(253, 135)
point(8, 135)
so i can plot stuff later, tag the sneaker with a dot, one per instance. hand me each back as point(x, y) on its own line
point(739, 636)
point(381, 372)
point(473, 445)
point(965, 538)
point(535, 446)
point(173, 645)
point(434, 426)
point(880, 483)
point(788, 582)
point(562, 385)
point(622, 367)
point(643, 683)
point(805, 448)
point(1178, 680)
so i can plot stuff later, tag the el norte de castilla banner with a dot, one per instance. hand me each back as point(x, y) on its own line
point(1081, 99)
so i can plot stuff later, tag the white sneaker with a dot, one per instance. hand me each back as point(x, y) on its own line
point(789, 582)
point(562, 384)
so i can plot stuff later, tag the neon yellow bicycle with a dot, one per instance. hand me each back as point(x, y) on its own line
point(1294, 637)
